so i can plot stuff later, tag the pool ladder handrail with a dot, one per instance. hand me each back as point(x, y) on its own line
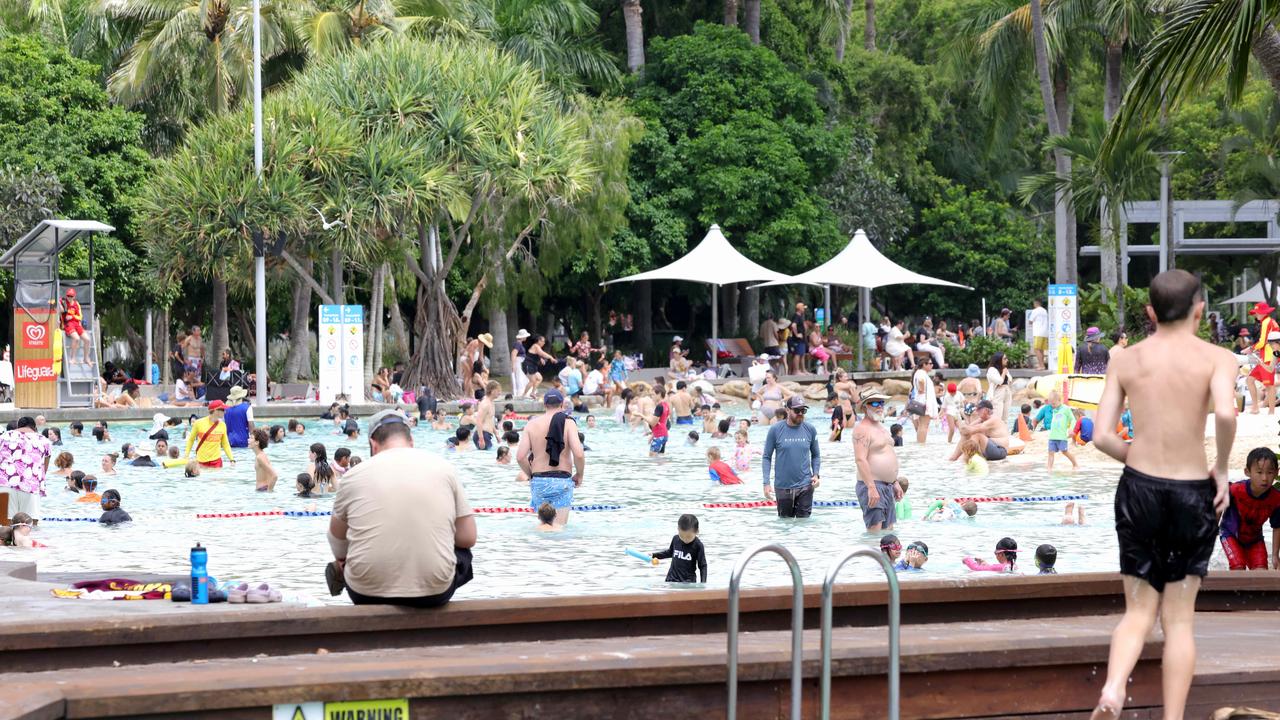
point(828, 588)
point(797, 624)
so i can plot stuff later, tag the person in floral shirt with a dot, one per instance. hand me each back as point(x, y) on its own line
point(583, 349)
point(24, 460)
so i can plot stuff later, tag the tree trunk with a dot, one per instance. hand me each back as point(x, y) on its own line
point(220, 337)
point(751, 17)
point(299, 358)
point(1113, 93)
point(337, 287)
point(373, 341)
point(436, 327)
point(1110, 260)
point(1266, 50)
point(500, 357)
point(642, 316)
point(869, 29)
point(380, 324)
point(165, 345)
point(842, 34)
point(731, 13)
point(399, 332)
point(632, 18)
point(1061, 202)
point(749, 311)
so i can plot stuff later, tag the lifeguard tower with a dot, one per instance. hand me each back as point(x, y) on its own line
point(43, 375)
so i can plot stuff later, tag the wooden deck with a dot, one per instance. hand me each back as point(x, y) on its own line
point(1042, 655)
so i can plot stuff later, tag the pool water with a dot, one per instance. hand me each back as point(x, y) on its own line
point(512, 560)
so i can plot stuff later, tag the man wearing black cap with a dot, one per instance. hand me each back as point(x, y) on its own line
point(794, 445)
point(989, 432)
point(543, 444)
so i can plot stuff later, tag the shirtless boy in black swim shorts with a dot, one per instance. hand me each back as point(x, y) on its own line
point(1169, 498)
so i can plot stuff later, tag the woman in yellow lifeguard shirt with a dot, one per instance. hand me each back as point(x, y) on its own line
point(209, 435)
point(1263, 373)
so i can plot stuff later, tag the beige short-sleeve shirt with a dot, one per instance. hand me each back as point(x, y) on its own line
point(400, 507)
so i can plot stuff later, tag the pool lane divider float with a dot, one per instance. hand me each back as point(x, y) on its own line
point(746, 504)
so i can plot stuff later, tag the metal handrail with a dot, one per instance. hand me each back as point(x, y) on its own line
point(828, 587)
point(797, 624)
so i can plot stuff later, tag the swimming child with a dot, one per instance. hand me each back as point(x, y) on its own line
point(692, 439)
point(192, 469)
point(1006, 558)
point(112, 514)
point(356, 460)
point(264, 474)
point(974, 462)
point(742, 453)
point(895, 432)
point(686, 553)
point(18, 532)
point(175, 453)
point(320, 470)
point(277, 433)
point(504, 455)
point(1046, 556)
point(1253, 502)
point(889, 545)
point(341, 460)
point(109, 463)
point(461, 440)
point(949, 511)
point(547, 518)
point(913, 560)
point(63, 462)
point(1073, 514)
point(509, 413)
point(75, 481)
point(90, 485)
point(305, 486)
point(438, 421)
point(296, 427)
point(903, 507)
point(720, 471)
point(1060, 421)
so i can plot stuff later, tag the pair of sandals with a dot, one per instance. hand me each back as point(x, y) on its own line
point(258, 594)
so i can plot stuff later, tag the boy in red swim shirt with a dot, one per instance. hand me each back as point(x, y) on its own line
point(1253, 502)
point(719, 470)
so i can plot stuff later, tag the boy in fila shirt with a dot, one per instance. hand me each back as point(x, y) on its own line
point(686, 553)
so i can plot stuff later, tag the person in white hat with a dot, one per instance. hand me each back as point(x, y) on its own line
point(519, 381)
point(678, 363)
point(239, 418)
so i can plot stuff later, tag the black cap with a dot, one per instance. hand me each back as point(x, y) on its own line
point(796, 401)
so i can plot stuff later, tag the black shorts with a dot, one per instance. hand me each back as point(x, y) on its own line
point(795, 502)
point(1166, 528)
point(994, 452)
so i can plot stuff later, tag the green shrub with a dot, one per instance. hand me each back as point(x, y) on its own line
point(978, 351)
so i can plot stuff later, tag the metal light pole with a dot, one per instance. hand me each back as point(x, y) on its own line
point(1166, 158)
point(259, 259)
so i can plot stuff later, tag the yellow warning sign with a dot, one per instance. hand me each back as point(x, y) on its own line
point(367, 710)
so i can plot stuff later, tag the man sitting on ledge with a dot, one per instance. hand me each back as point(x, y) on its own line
point(402, 529)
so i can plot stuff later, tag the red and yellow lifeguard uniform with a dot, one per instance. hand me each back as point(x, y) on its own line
point(1264, 372)
point(72, 316)
point(209, 437)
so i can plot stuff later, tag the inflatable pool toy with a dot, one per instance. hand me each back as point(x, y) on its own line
point(1079, 391)
point(645, 557)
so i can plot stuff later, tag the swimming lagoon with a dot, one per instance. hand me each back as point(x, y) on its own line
point(511, 560)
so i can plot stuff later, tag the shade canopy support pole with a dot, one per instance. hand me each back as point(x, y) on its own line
point(715, 326)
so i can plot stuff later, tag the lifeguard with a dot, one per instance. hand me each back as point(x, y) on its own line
point(73, 326)
point(209, 436)
point(1261, 382)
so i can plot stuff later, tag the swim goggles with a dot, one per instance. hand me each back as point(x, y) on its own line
point(918, 548)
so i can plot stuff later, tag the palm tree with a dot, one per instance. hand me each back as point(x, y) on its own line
point(193, 54)
point(869, 25)
point(1200, 43)
point(1102, 183)
point(1124, 24)
point(1008, 39)
point(631, 17)
point(558, 38)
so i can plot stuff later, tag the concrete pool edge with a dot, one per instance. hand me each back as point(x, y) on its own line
point(45, 637)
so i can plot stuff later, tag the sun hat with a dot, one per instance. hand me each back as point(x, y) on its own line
point(783, 324)
point(522, 334)
point(217, 405)
point(237, 394)
point(973, 371)
point(870, 394)
point(795, 402)
point(487, 339)
point(157, 423)
point(1093, 333)
point(1262, 309)
point(677, 339)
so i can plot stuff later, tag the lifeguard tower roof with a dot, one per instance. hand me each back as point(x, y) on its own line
point(49, 238)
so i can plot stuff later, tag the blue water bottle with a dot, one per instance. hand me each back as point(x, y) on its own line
point(199, 576)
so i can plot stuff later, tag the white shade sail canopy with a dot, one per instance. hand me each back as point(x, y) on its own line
point(859, 264)
point(714, 261)
point(1254, 294)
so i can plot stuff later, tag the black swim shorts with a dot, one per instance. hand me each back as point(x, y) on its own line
point(1166, 528)
point(994, 452)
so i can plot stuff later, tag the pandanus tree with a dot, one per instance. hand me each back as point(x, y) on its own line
point(466, 148)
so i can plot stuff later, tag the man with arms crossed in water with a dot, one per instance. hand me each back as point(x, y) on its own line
point(545, 442)
point(877, 482)
point(1169, 499)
